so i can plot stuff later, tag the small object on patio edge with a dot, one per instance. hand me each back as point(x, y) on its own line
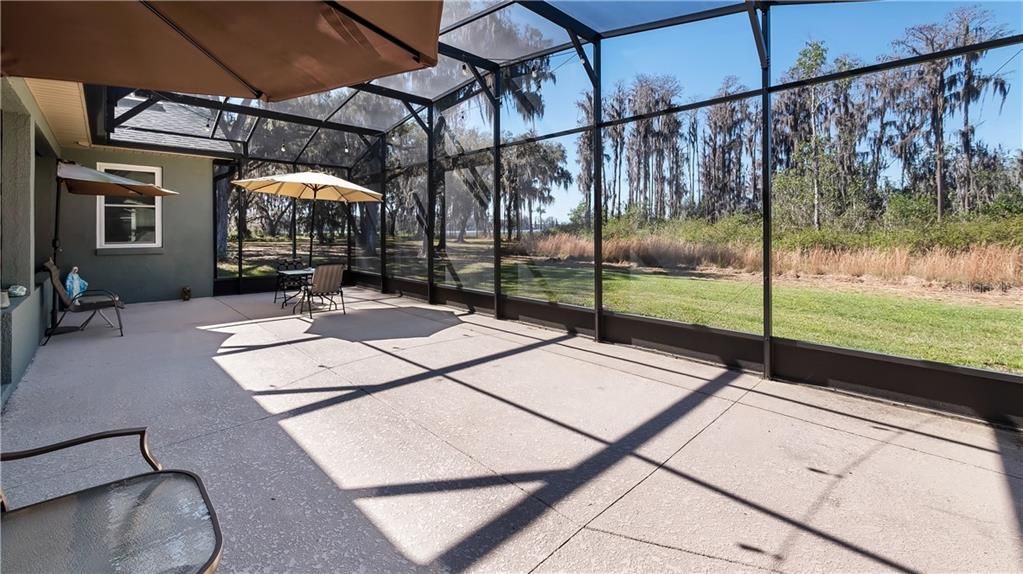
point(186, 293)
point(17, 290)
point(74, 284)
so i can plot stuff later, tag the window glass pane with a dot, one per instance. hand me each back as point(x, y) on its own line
point(226, 228)
point(545, 95)
point(127, 134)
point(547, 222)
point(365, 226)
point(171, 117)
point(898, 212)
point(455, 10)
point(658, 69)
point(134, 175)
point(371, 111)
point(406, 222)
point(129, 200)
point(234, 126)
point(406, 144)
point(333, 147)
point(465, 239)
point(429, 82)
point(897, 29)
point(682, 207)
point(407, 201)
point(510, 33)
point(267, 225)
point(128, 225)
point(465, 127)
point(608, 15)
point(279, 140)
point(317, 106)
point(330, 242)
point(141, 176)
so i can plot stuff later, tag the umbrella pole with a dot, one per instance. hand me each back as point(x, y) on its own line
point(56, 223)
point(349, 220)
point(312, 230)
point(56, 249)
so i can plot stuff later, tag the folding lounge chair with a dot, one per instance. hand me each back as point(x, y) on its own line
point(92, 301)
point(160, 521)
point(325, 284)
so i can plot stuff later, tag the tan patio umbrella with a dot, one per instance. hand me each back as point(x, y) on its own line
point(313, 185)
point(267, 50)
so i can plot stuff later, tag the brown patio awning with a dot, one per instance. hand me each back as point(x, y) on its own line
point(268, 50)
point(81, 180)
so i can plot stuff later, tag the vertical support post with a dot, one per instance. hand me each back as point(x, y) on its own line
point(54, 301)
point(431, 203)
point(495, 201)
point(383, 212)
point(765, 185)
point(216, 212)
point(598, 199)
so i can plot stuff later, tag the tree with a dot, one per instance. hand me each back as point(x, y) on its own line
point(810, 63)
point(584, 153)
point(617, 107)
point(532, 171)
point(721, 169)
point(969, 26)
point(931, 82)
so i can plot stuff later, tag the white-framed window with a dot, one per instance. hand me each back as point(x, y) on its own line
point(130, 221)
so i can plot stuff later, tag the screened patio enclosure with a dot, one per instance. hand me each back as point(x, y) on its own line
point(830, 193)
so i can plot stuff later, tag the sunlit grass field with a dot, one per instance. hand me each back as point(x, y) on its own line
point(971, 333)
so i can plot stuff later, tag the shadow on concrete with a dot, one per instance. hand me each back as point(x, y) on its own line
point(360, 325)
point(560, 483)
point(883, 426)
point(1010, 447)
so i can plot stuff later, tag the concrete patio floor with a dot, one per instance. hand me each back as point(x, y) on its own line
point(406, 437)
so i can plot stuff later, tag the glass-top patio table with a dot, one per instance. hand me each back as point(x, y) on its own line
point(293, 275)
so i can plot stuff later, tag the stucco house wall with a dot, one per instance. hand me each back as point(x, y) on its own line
point(146, 274)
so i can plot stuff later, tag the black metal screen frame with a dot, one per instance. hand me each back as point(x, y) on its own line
point(976, 391)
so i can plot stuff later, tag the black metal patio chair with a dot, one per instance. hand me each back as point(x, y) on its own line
point(92, 301)
point(287, 283)
point(160, 521)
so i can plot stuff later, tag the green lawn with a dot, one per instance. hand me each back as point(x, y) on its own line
point(972, 334)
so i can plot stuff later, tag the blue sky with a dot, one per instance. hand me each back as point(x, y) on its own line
point(700, 55)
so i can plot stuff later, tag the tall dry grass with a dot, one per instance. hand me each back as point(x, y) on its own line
point(981, 267)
